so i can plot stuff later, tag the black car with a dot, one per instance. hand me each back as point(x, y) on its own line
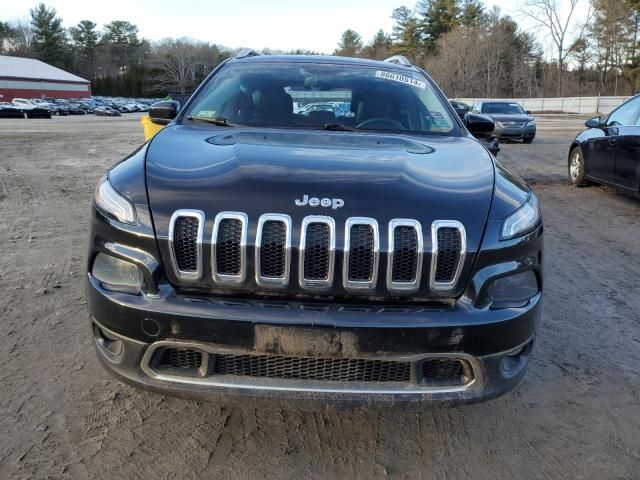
point(608, 152)
point(512, 121)
point(460, 108)
point(380, 256)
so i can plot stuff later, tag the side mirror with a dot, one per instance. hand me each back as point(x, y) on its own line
point(479, 125)
point(528, 112)
point(162, 113)
point(594, 122)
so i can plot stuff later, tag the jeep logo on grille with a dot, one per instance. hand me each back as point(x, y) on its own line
point(334, 203)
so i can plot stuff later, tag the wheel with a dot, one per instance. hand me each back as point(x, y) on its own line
point(528, 140)
point(577, 170)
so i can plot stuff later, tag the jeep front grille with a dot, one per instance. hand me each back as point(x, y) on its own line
point(316, 260)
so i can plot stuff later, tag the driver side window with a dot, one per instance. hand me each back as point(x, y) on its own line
point(625, 115)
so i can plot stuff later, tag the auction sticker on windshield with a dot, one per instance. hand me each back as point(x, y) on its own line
point(396, 77)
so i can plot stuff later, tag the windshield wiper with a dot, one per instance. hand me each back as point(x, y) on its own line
point(216, 120)
point(337, 127)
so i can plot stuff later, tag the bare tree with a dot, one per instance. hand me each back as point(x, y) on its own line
point(558, 19)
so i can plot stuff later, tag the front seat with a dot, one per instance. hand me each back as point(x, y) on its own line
point(275, 106)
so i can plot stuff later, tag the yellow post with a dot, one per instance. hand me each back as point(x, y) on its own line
point(150, 128)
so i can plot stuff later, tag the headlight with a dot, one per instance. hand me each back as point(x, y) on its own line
point(116, 274)
point(523, 221)
point(531, 123)
point(514, 291)
point(110, 202)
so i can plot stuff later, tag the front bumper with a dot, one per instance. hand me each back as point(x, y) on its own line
point(510, 133)
point(143, 323)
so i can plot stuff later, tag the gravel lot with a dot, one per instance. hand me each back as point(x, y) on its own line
point(576, 415)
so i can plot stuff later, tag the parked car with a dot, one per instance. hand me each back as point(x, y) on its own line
point(512, 122)
point(608, 152)
point(460, 108)
point(23, 104)
point(242, 251)
point(106, 111)
point(8, 110)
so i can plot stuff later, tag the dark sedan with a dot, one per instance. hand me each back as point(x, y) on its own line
point(608, 152)
point(512, 122)
point(460, 108)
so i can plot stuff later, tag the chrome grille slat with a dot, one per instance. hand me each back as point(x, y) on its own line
point(405, 256)
point(273, 250)
point(317, 252)
point(228, 247)
point(186, 229)
point(361, 253)
point(446, 263)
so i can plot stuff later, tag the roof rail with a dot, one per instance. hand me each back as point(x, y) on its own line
point(247, 52)
point(399, 60)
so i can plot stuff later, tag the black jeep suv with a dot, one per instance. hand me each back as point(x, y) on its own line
point(383, 255)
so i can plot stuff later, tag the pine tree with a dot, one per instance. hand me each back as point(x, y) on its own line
point(350, 44)
point(49, 38)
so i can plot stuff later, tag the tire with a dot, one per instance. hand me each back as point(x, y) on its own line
point(528, 140)
point(576, 167)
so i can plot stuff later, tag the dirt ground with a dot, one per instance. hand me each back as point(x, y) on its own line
point(575, 416)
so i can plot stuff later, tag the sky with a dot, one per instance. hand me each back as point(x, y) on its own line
point(275, 24)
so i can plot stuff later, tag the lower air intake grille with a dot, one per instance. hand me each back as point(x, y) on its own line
point(229, 247)
point(449, 246)
point(316, 255)
point(446, 371)
point(185, 235)
point(185, 358)
point(361, 253)
point(303, 368)
point(405, 255)
point(272, 250)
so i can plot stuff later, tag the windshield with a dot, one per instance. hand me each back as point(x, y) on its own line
point(314, 95)
point(502, 108)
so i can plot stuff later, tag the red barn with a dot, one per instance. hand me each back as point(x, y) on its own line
point(29, 78)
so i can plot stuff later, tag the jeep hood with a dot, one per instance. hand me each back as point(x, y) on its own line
point(266, 171)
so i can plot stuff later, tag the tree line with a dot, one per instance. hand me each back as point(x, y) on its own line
point(114, 58)
point(469, 50)
point(474, 52)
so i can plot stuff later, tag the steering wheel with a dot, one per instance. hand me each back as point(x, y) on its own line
point(393, 124)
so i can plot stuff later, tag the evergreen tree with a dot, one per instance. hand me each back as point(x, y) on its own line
point(350, 44)
point(407, 34)
point(85, 39)
point(49, 38)
point(379, 47)
point(437, 17)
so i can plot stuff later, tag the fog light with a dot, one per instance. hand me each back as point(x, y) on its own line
point(116, 274)
point(514, 291)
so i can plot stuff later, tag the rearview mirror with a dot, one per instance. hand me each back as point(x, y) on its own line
point(162, 113)
point(594, 122)
point(479, 125)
